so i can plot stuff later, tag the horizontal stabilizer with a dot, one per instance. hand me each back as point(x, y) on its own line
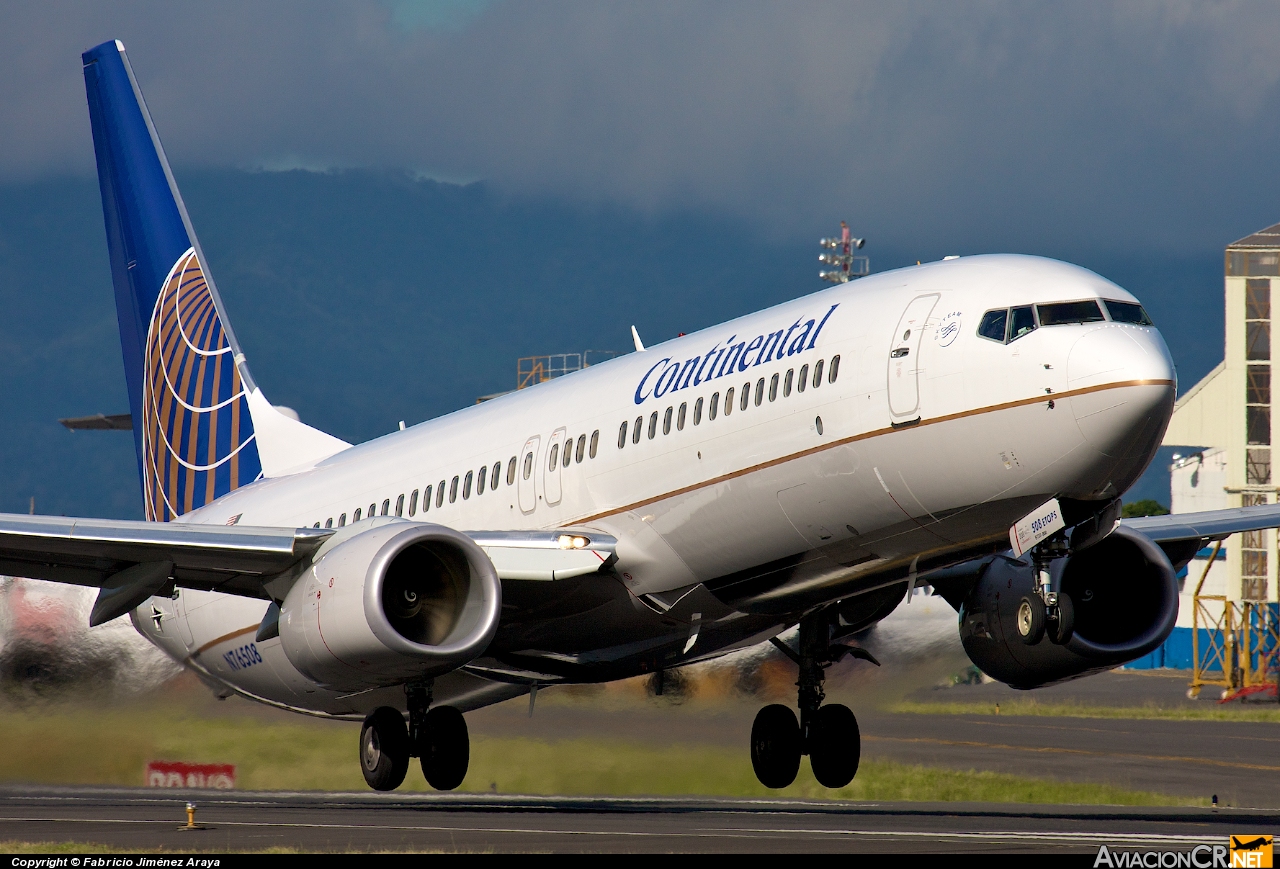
point(100, 422)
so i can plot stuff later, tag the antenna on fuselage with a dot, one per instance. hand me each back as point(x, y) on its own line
point(847, 266)
point(635, 336)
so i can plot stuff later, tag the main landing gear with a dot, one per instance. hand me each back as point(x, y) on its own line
point(1045, 611)
point(436, 736)
point(828, 734)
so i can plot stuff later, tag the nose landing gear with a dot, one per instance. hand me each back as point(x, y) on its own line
point(1045, 611)
point(828, 734)
point(436, 736)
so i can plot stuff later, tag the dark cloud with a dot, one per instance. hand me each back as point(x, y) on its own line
point(984, 125)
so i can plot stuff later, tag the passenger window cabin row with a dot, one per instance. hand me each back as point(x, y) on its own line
point(571, 453)
point(745, 398)
point(484, 478)
point(575, 450)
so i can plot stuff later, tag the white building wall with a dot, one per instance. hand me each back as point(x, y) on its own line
point(1199, 482)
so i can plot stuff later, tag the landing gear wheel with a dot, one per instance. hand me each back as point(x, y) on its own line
point(384, 749)
point(835, 746)
point(446, 749)
point(1031, 619)
point(1064, 625)
point(775, 746)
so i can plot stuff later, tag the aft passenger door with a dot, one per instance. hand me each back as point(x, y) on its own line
point(904, 360)
point(525, 475)
point(551, 482)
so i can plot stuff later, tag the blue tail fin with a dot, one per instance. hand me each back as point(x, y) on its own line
point(188, 384)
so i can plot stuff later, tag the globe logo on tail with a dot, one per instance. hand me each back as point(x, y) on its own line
point(196, 433)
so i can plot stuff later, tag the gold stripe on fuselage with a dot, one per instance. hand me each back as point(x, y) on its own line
point(1008, 405)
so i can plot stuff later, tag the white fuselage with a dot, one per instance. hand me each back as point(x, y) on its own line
point(904, 459)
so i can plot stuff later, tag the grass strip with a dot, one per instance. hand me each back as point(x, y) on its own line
point(111, 746)
point(1269, 714)
point(592, 767)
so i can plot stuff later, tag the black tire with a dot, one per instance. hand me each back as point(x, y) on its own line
point(446, 750)
point(384, 749)
point(775, 746)
point(1062, 628)
point(835, 746)
point(1030, 619)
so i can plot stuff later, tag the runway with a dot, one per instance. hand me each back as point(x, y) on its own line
point(138, 818)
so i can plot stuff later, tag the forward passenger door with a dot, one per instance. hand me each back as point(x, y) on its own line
point(904, 360)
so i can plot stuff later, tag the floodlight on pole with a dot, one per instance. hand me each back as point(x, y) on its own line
point(844, 265)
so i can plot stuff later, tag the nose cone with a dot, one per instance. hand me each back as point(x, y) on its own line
point(1121, 384)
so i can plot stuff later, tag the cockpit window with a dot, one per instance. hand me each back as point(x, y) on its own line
point(1128, 312)
point(1021, 322)
point(992, 325)
point(1062, 313)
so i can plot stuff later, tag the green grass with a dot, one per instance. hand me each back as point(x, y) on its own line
point(111, 746)
point(582, 767)
point(1209, 712)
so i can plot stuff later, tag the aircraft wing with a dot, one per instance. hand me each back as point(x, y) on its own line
point(1207, 525)
point(232, 559)
point(132, 560)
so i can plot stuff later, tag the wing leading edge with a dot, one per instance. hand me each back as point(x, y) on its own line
point(1208, 525)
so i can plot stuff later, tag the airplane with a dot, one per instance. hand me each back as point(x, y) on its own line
point(967, 425)
point(1238, 844)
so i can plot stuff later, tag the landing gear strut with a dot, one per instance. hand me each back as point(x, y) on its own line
point(1046, 611)
point(828, 734)
point(436, 736)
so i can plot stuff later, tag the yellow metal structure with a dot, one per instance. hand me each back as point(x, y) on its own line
point(1242, 642)
point(532, 370)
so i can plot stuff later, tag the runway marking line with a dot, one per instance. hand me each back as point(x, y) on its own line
point(1135, 731)
point(725, 832)
point(1049, 749)
point(1118, 838)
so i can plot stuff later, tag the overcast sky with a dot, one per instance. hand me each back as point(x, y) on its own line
point(980, 125)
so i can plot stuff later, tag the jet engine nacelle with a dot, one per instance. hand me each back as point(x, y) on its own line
point(392, 602)
point(1125, 593)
